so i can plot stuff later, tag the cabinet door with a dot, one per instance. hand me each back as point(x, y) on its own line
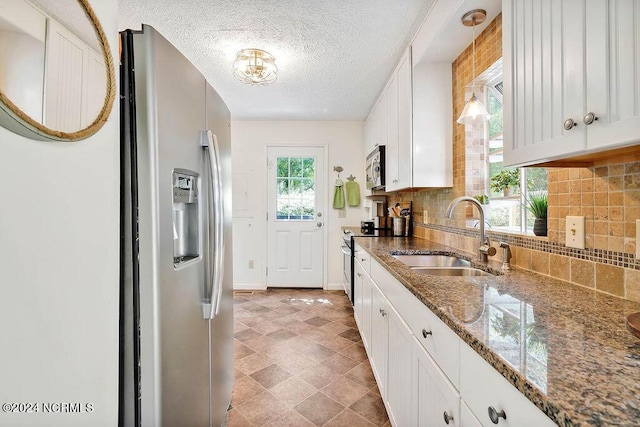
point(544, 80)
point(435, 401)
point(399, 375)
point(467, 419)
point(357, 296)
point(405, 123)
point(391, 151)
point(613, 73)
point(482, 388)
point(365, 309)
point(378, 341)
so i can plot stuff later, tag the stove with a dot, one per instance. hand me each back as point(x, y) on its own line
point(348, 255)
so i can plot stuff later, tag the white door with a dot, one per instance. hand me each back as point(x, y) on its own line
point(295, 217)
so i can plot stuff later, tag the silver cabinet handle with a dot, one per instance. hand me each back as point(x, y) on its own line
point(569, 124)
point(589, 118)
point(363, 259)
point(383, 313)
point(495, 415)
point(447, 418)
point(426, 333)
point(359, 275)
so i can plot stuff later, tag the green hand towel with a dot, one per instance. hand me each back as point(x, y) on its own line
point(353, 193)
point(338, 198)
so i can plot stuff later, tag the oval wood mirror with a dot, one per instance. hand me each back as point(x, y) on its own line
point(57, 77)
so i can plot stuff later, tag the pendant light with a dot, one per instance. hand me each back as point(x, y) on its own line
point(474, 111)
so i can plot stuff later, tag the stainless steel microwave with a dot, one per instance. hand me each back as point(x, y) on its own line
point(375, 169)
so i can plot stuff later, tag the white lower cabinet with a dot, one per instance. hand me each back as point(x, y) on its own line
point(399, 370)
point(489, 395)
point(362, 302)
point(435, 401)
point(426, 374)
point(467, 419)
point(378, 342)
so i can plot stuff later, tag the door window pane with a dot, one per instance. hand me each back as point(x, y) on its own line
point(295, 192)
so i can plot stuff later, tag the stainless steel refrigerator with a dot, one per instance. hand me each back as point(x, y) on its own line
point(176, 360)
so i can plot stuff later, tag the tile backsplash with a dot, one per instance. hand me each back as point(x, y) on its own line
point(607, 194)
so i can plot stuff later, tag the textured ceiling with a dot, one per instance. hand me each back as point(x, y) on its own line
point(334, 56)
point(70, 15)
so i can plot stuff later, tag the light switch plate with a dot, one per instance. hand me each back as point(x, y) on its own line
point(342, 213)
point(637, 238)
point(575, 232)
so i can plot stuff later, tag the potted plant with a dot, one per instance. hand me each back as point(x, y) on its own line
point(506, 181)
point(537, 204)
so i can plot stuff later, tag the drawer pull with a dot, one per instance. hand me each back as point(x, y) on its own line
point(447, 418)
point(569, 124)
point(359, 275)
point(363, 259)
point(383, 313)
point(426, 333)
point(495, 415)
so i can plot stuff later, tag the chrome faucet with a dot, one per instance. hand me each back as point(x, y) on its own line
point(485, 249)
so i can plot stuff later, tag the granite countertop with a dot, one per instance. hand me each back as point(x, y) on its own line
point(565, 347)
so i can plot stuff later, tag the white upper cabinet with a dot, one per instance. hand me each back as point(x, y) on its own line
point(566, 64)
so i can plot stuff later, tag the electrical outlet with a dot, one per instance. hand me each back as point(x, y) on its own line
point(251, 264)
point(342, 213)
point(575, 232)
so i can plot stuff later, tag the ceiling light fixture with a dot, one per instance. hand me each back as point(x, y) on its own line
point(255, 67)
point(474, 111)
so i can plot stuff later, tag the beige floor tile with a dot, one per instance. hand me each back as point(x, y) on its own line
point(362, 374)
point(355, 352)
point(244, 389)
point(318, 376)
point(293, 391)
point(340, 364)
point(345, 391)
point(290, 418)
point(251, 364)
point(348, 418)
point(371, 407)
point(270, 376)
point(319, 408)
point(237, 420)
point(262, 408)
point(297, 342)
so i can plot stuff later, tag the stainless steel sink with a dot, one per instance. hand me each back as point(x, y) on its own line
point(432, 261)
point(450, 271)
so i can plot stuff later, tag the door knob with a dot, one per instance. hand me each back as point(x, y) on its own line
point(495, 415)
point(589, 118)
point(569, 124)
point(319, 224)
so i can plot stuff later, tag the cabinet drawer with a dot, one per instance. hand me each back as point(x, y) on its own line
point(439, 341)
point(363, 258)
point(482, 387)
point(437, 338)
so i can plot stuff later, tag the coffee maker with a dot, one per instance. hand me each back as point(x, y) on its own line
point(379, 213)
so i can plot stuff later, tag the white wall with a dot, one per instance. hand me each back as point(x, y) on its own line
point(249, 140)
point(59, 263)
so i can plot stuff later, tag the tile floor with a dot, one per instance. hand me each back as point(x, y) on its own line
point(299, 361)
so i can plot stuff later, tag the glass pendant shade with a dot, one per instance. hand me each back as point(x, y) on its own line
point(255, 67)
point(474, 112)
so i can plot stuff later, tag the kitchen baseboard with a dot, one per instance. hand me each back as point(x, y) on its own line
point(334, 287)
point(249, 287)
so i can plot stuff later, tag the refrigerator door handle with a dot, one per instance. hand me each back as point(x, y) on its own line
point(213, 292)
